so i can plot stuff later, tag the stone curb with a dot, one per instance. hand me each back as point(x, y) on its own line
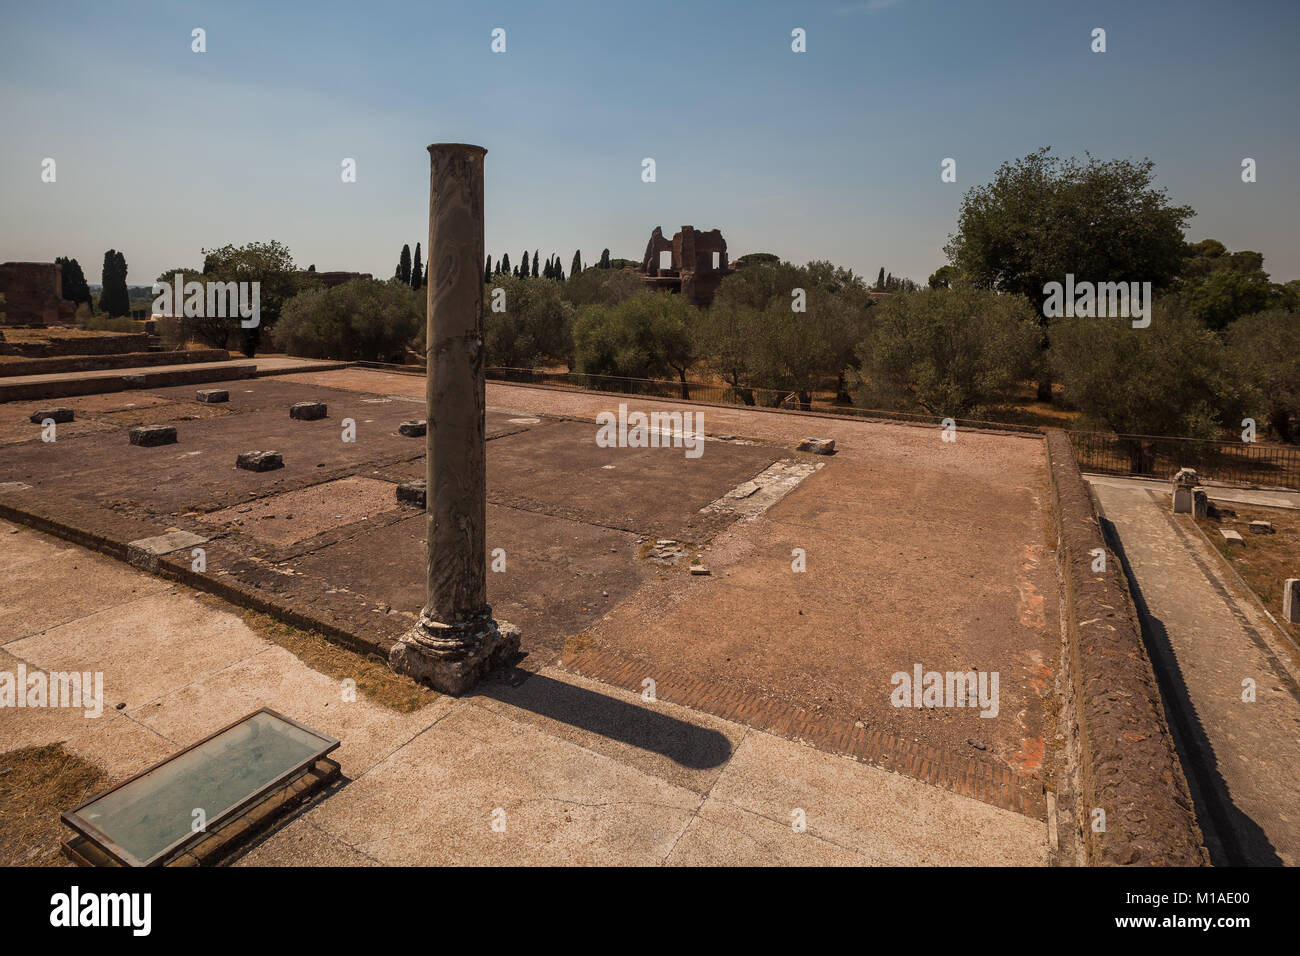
point(1123, 756)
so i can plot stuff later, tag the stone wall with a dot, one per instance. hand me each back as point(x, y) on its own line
point(692, 272)
point(53, 343)
point(34, 294)
point(1119, 746)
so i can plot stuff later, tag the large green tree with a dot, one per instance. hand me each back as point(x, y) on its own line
point(1266, 349)
point(417, 270)
point(536, 325)
point(645, 336)
point(361, 320)
point(1172, 378)
point(270, 264)
point(1043, 217)
point(950, 353)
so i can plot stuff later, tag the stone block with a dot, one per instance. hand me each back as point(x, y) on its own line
point(148, 436)
point(1291, 600)
point(412, 493)
point(1186, 478)
point(1261, 527)
point(212, 395)
point(818, 446)
point(1232, 537)
point(1200, 503)
point(144, 552)
point(1183, 500)
point(60, 415)
point(413, 429)
point(308, 411)
point(259, 461)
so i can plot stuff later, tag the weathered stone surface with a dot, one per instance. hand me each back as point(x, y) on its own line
point(259, 461)
point(148, 436)
point(1186, 478)
point(413, 429)
point(144, 552)
point(1124, 749)
point(60, 415)
point(411, 493)
point(1261, 527)
point(1232, 537)
point(818, 446)
point(454, 663)
point(456, 641)
point(308, 411)
point(699, 569)
point(212, 395)
point(1200, 503)
point(1184, 500)
point(1291, 600)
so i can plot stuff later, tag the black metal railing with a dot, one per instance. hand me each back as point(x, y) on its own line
point(1151, 456)
point(721, 394)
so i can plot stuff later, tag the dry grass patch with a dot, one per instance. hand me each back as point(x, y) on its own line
point(1267, 560)
point(36, 785)
point(374, 678)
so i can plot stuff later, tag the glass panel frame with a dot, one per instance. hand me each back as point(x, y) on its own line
point(320, 745)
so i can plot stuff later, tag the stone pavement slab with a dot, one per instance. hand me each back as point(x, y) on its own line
point(581, 773)
point(1208, 636)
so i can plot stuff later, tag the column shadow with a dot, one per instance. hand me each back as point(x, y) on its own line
point(691, 746)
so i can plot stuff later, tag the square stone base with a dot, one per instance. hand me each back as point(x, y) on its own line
point(452, 660)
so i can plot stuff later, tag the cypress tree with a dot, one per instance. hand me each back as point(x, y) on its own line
point(75, 287)
point(487, 271)
point(880, 280)
point(535, 263)
point(505, 263)
point(417, 270)
point(404, 265)
point(604, 259)
point(576, 267)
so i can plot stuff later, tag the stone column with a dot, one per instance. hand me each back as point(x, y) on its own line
point(456, 640)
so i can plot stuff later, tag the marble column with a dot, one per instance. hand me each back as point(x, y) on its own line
point(456, 640)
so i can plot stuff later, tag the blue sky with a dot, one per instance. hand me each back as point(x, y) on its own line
point(834, 153)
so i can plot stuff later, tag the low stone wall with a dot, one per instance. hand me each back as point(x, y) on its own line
point(1123, 755)
point(51, 344)
point(31, 391)
point(97, 363)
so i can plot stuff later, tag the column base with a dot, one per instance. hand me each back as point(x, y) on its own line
point(453, 658)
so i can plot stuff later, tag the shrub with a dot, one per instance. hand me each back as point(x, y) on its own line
point(946, 352)
point(361, 320)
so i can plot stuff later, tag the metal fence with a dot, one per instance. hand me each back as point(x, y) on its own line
point(717, 394)
point(1250, 463)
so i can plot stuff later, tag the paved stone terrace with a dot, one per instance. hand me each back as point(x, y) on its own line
point(918, 551)
point(583, 773)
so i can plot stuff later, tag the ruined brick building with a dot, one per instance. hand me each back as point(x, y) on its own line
point(692, 263)
point(34, 294)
